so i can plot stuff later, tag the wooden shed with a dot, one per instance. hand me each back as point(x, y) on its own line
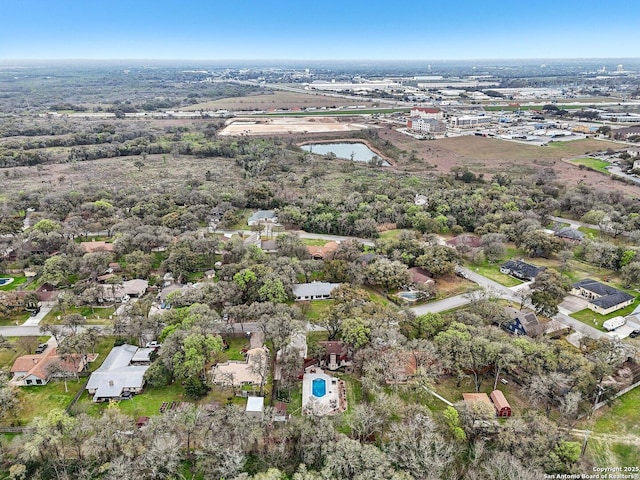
point(500, 402)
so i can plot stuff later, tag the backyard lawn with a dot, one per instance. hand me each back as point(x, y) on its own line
point(622, 417)
point(590, 232)
point(147, 403)
point(294, 407)
point(37, 401)
point(375, 296)
point(492, 271)
point(317, 309)
point(17, 281)
point(15, 349)
point(8, 357)
point(234, 352)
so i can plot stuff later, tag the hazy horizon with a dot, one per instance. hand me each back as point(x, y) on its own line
point(329, 31)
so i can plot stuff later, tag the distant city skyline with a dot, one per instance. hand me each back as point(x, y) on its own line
point(328, 30)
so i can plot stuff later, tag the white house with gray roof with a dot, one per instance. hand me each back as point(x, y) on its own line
point(313, 290)
point(117, 376)
point(262, 216)
point(603, 299)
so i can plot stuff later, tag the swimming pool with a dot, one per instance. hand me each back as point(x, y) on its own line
point(411, 296)
point(5, 281)
point(319, 387)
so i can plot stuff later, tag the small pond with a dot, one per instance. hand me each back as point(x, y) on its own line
point(357, 152)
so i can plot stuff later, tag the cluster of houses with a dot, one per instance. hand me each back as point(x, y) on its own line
point(121, 375)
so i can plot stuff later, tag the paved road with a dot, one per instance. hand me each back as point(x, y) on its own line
point(615, 170)
point(508, 294)
point(460, 300)
point(575, 223)
point(578, 326)
point(441, 305)
point(20, 331)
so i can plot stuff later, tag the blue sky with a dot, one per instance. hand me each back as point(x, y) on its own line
point(320, 30)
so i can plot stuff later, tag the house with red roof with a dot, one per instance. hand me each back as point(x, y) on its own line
point(39, 369)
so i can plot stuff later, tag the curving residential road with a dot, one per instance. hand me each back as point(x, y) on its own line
point(508, 294)
point(574, 223)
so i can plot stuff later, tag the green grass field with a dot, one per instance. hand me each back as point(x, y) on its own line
point(492, 270)
point(377, 297)
point(593, 164)
point(17, 281)
point(317, 309)
point(622, 418)
point(147, 404)
point(37, 401)
point(316, 242)
point(8, 357)
point(590, 232)
point(393, 234)
point(17, 318)
point(236, 344)
point(95, 316)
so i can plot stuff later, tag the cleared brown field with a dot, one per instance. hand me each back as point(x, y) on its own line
point(490, 156)
point(115, 173)
point(291, 125)
point(276, 99)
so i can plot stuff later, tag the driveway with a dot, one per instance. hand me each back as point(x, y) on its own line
point(622, 332)
point(45, 308)
point(573, 304)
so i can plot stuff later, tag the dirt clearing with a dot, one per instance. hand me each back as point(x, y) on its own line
point(284, 125)
point(490, 156)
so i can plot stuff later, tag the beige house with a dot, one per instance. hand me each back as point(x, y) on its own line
point(603, 299)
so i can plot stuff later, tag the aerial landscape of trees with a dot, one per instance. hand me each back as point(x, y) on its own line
point(90, 203)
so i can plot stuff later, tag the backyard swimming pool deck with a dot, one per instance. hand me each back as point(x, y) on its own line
point(322, 394)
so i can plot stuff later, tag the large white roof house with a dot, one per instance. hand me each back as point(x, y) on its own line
point(313, 290)
point(117, 375)
point(262, 216)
